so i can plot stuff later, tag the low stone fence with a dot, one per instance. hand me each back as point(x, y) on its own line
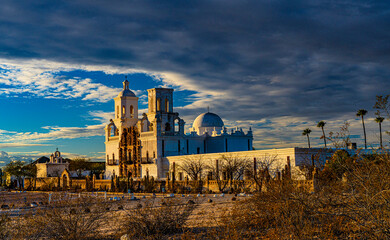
point(121, 185)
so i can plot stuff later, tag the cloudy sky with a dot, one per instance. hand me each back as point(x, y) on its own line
point(278, 66)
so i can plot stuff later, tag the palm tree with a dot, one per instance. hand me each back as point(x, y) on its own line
point(321, 124)
point(361, 113)
point(380, 120)
point(306, 132)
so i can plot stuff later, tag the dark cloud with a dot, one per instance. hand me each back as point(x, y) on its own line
point(314, 59)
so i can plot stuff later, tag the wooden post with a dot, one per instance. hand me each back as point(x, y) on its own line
point(173, 176)
point(217, 168)
point(288, 167)
point(254, 168)
point(93, 181)
point(208, 179)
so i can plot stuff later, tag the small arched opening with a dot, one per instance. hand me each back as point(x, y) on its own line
point(131, 111)
point(167, 127)
point(123, 111)
point(166, 105)
point(158, 107)
point(64, 181)
point(112, 130)
point(177, 126)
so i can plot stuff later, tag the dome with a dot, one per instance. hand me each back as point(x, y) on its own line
point(126, 92)
point(207, 120)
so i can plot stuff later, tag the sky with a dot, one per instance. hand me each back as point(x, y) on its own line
point(276, 66)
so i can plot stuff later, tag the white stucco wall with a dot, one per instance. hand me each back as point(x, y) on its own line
point(50, 169)
point(297, 156)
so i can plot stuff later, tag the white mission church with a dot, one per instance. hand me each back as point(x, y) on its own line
point(142, 145)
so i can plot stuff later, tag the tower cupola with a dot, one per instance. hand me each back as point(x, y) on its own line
point(126, 103)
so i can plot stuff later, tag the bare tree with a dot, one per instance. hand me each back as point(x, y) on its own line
point(217, 173)
point(383, 106)
point(342, 138)
point(193, 166)
point(229, 167)
point(262, 166)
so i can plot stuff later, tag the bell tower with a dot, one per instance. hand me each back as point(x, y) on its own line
point(160, 110)
point(126, 117)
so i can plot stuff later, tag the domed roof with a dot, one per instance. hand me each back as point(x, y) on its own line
point(126, 92)
point(208, 119)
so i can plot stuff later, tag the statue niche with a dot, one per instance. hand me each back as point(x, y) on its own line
point(130, 153)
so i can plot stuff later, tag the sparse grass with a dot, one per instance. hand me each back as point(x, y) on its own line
point(153, 221)
point(65, 218)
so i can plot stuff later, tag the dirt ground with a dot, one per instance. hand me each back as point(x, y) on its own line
point(210, 207)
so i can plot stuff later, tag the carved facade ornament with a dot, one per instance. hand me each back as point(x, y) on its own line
point(130, 153)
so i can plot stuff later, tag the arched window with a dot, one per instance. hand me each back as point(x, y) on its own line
point(166, 105)
point(123, 111)
point(113, 158)
point(147, 156)
point(117, 111)
point(167, 127)
point(131, 111)
point(158, 107)
point(177, 126)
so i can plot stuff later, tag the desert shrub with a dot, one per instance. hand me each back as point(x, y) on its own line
point(64, 218)
point(154, 221)
point(5, 226)
point(149, 184)
point(356, 207)
point(285, 211)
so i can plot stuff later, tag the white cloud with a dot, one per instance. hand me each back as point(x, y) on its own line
point(39, 78)
point(28, 139)
point(6, 157)
point(15, 144)
point(100, 116)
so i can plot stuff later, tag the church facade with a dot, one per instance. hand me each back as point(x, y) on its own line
point(141, 145)
point(53, 168)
